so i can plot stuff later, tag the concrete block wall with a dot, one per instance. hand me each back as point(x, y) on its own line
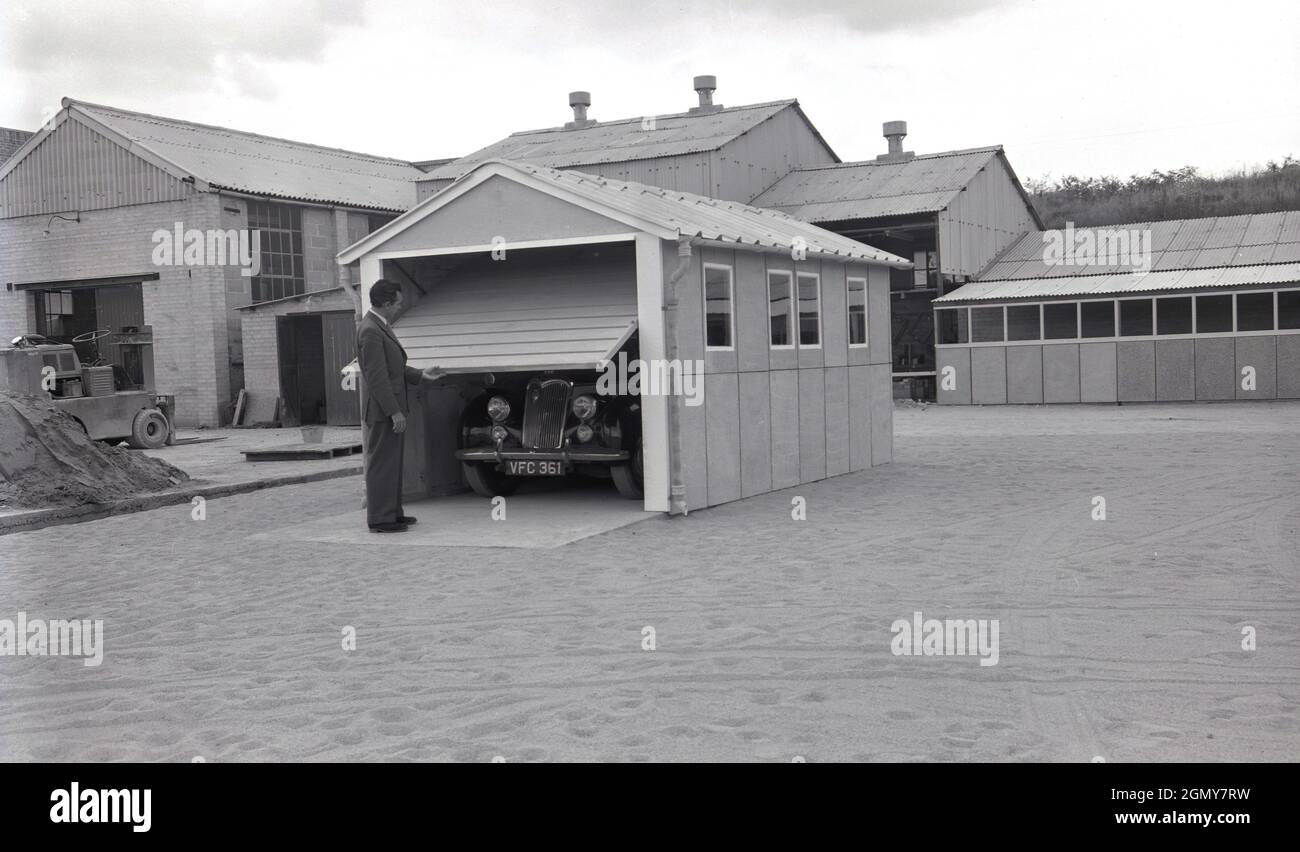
point(186, 306)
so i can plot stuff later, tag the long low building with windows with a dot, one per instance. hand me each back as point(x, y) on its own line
point(1191, 309)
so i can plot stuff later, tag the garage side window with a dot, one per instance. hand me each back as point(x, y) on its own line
point(986, 325)
point(1254, 312)
point(1061, 321)
point(1174, 315)
point(719, 299)
point(810, 310)
point(1024, 322)
point(1213, 314)
point(1135, 317)
point(857, 312)
point(1098, 319)
point(780, 309)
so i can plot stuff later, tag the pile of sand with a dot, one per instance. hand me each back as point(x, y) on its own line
point(47, 460)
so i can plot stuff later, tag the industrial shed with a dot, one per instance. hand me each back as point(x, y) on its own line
point(524, 268)
point(1216, 317)
point(951, 213)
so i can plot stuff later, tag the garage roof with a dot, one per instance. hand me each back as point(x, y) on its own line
point(1220, 251)
point(669, 214)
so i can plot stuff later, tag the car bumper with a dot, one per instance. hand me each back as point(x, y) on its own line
point(578, 455)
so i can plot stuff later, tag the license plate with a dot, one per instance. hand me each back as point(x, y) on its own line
point(534, 468)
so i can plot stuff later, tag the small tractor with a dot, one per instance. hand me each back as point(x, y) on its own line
point(97, 396)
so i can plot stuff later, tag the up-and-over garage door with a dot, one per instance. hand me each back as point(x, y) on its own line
point(524, 314)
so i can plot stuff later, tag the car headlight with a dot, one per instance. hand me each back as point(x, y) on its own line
point(498, 408)
point(584, 407)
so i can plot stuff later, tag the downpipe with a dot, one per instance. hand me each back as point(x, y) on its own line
point(677, 491)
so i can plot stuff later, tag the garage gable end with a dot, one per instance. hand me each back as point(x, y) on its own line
point(501, 212)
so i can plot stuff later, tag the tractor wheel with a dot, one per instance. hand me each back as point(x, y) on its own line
point(486, 482)
point(629, 478)
point(149, 430)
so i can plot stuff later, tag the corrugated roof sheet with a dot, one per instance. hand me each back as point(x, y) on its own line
point(1222, 251)
point(683, 213)
point(262, 165)
point(620, 140)
point(871, 189)
point(1246, 240)
point(1124, 283)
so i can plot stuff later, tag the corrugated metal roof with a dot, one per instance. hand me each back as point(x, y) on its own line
point(871, 188)
point(263, 165)
point(1124, 283)
point(621, 140)
point(679, 214)
point(1246, 240)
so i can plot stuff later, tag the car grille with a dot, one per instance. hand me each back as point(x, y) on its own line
point(546, 403)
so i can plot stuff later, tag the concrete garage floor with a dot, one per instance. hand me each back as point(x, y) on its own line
point(1118, 639)
point(540, 515)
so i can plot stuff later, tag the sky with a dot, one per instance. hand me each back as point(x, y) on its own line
point(1085, 87)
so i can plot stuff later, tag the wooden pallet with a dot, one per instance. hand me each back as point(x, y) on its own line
point(301, 452)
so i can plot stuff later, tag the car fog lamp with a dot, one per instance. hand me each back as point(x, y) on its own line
point(499, 433)
point(584, 433)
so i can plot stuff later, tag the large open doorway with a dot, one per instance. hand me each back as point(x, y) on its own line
point(66, 312)
point(313, 349)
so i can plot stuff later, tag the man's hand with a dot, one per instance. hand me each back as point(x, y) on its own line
point(399, 422)
point(432, 374)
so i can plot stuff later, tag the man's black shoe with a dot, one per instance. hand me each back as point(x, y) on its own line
point(406, 519)
point(385, 528)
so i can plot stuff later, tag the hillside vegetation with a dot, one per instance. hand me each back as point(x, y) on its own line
point(1178, 194)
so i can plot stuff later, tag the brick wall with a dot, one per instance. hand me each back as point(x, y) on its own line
point(186, 307)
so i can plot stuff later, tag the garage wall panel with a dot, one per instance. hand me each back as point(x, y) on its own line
point(881, 409)
point(1061, 372)
point(1260, 353)
point(1135, 363)
point(1097, 380)
point(859, 418)
point(812, 425)
point(988, 366)
point(785, 428)
point(1175, 370)
point(755, 434)
point(835, 329)
point(723, 417)
point(1288, 366)
point(1216, 363)
point(837, 421)
point(1025, 374)
point(958, 359)
point(751, 311)
point(879, 337)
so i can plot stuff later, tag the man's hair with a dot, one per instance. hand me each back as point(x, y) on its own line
point(384, 292)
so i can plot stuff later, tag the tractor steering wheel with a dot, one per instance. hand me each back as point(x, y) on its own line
point(91, 336)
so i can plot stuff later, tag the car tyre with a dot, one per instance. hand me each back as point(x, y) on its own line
point(149, 430)
point(486, 482)
point(629, 478)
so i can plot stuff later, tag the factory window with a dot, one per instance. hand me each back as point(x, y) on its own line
point(1097, 319)
point(810, 310)
point(1213, 313)
point(1254, 312)
point(718, 306)
point(1288, 309)
point(1024, 322)
point(952, 325)
point(986, 325)
point(779, 310)
point(57, 307)
point(1060, 321)
point(857, 311)
point(1135, 317)
point(282, 273)
point(1174, 316)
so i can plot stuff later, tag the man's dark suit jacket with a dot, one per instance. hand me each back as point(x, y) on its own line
point(383, 366)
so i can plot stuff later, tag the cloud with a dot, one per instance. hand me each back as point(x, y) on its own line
point(165, 50)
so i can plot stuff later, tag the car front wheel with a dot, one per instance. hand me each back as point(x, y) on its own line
point(629, 478)
point(486, 482)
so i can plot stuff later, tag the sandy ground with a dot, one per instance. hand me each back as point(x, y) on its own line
point(1119, 639)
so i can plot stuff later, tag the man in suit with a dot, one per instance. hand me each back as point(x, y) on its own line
point(384, 406)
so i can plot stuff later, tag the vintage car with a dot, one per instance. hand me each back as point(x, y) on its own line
point(550, 424)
